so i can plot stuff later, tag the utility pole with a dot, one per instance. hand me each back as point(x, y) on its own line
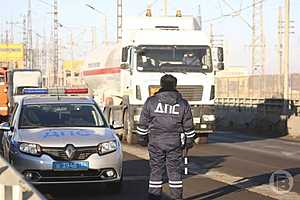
point(55, 46)
point(11, 31)
point(29, 37)
point(286, 56)
point(149, 6)
point(2, 30)
point(119, 20)
point(166, 7)
point(25, 42)
point(279, 51)
point(199, 17)
point(94, 37)
point(258, 46)
point(105, 22)
point(37, 53)
point(44, 53)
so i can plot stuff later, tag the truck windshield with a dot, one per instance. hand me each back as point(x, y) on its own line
point(174, 59)
point(60, 115)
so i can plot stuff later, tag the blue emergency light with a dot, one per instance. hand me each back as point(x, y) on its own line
point(35, 91)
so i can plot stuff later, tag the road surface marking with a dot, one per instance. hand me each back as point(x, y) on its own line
point(239, 182)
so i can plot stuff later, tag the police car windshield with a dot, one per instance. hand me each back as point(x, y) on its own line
point(60, 115)
point(174, 59)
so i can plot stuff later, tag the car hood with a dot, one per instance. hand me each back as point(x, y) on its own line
point(60, 137)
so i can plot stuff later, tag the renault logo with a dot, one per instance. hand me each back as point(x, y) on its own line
point(70, 151)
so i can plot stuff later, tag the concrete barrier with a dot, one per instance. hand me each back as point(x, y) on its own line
point(13, 186)
point(258, 115)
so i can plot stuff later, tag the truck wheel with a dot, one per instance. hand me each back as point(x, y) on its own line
point(201, 139)
point(128, 136)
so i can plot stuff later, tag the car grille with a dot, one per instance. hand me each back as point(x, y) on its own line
point(82, 153)
point(191, 92)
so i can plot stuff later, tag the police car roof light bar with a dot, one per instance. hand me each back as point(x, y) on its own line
point(35, 91)
point(77, 91)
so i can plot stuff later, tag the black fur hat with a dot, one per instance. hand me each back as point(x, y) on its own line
point(168, 82)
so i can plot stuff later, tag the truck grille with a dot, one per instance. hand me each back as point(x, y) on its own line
point(191, 92)
point(82, 153)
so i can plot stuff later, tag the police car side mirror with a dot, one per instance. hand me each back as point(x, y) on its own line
point(116, 125)
point(6, 127)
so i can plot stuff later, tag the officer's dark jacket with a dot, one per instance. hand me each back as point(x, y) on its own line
point(164, 117)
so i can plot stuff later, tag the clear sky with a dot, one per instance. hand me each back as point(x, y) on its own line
point(78, 19)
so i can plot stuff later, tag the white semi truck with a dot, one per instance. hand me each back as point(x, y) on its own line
point(123, 75)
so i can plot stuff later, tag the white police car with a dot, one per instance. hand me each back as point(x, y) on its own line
point(62, 139)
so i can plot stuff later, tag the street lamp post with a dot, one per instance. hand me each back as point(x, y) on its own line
point(105, 21)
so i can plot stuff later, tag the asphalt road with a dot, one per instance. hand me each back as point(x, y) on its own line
point(231, 166)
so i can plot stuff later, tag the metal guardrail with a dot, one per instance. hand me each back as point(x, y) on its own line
point(13, 186)
point(258, 104)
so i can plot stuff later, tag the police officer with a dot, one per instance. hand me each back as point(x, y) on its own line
point(165, 118)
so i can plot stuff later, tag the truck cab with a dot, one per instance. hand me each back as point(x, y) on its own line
point(168, 45)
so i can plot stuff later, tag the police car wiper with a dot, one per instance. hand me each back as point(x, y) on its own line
point(32, 127)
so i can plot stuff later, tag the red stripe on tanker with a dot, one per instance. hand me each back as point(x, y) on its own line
point(112, 70)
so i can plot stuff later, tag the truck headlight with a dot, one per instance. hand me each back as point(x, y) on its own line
point(107, 147)
point(209, 118)
point(33, 149)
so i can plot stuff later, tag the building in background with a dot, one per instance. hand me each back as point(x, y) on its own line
point(72, 72)
point(12, 56)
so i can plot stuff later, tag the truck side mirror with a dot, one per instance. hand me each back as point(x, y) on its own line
point(220, 54)
point(124, 65)
point(124, 54)
point(220, 64)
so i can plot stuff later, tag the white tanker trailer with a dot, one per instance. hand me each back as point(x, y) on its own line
point(123, 75)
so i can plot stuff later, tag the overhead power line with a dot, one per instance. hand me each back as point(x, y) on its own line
point(45, 3)
point(233, 12)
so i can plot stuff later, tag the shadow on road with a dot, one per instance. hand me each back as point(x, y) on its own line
point(239, 137)
point(202, 164)
point(135, 183)
point(245, 183)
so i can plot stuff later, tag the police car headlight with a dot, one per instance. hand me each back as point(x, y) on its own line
point(107, 147)
point(33, 149)
point(209, 118)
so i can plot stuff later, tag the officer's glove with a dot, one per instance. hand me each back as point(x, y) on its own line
point(143, 140)
point(189, 143)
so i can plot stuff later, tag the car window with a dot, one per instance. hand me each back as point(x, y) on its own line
point(60, 115)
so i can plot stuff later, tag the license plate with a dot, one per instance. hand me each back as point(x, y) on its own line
point(72, 165)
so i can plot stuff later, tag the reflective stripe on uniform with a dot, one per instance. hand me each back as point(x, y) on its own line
point(175, 186)
point(155, 186)
point(142, 131)
point(190, 134)
point(175, 182)
point(156, 182)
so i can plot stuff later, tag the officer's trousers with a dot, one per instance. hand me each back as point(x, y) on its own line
point(172, 160)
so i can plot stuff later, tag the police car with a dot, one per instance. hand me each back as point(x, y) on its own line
point(62, 139)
